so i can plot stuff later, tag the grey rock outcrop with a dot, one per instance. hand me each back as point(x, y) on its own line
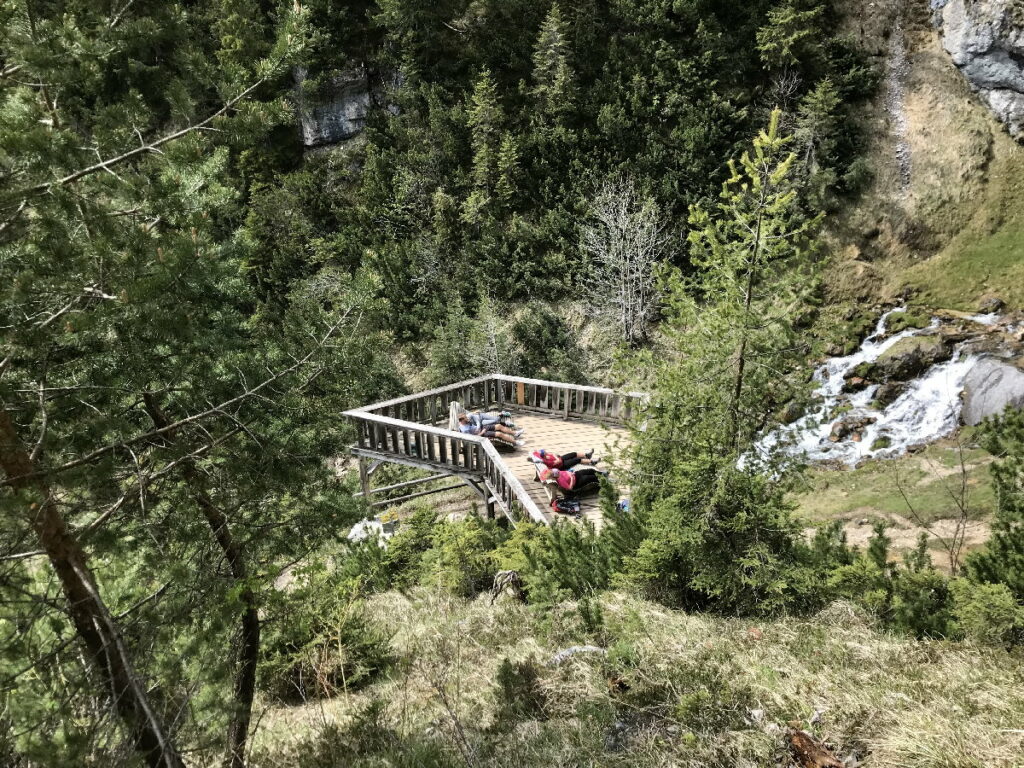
point(990, 387)
point(339, 117)
point(985, 39)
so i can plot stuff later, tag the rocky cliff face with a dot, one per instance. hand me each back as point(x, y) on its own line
point(985, 39)
point(340, 114)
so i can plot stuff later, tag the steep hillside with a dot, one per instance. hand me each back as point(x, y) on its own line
point(620, 682)
point(944, 215)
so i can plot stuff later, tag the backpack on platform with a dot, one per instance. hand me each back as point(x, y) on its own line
point(566, 506)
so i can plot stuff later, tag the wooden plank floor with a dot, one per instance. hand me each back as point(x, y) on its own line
point(558, 435)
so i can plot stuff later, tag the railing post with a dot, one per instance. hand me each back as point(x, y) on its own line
point(364, 478)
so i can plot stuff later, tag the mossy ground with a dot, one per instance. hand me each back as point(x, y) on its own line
point(475, 684)
point(987, 256)
point(953, 232)
point(932, 482)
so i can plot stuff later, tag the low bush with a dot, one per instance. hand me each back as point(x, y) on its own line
point(461, 557)
point(987, 613)
point(519, 693)
point(319, 640)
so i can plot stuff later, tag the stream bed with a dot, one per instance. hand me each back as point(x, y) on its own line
point(928, 409)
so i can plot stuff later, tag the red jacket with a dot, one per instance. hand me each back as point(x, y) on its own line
point(566, 480)
point(551, 460)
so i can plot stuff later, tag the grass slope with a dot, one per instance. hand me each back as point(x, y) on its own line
point(929, 479)
point(987, 256)
point(475, 685)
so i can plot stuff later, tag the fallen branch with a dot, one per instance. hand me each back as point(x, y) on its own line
point(808, 752)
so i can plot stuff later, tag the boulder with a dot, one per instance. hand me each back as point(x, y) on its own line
point(851, 427)
point(991, 304)
point(985, 39)
point(905, 360)
point(889, 392)
point(792, 411)
point(990, 387)
point(910, 357)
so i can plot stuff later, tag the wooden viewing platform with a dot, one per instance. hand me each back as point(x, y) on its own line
point(559, 417)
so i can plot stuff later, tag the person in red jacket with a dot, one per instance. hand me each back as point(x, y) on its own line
point(577, 481)
point(566, 460)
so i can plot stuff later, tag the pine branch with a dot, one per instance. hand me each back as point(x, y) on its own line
point(153, 147)
point(170, 428)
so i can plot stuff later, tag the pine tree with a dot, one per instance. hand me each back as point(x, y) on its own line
point(817, 126)
point(792, 35)
point(149, 420)
point(486, 120)
point(721, 532)
point(1002, 558)
point(553, 80)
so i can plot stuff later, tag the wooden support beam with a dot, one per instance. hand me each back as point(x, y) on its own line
point(401, 499)
point(477, 486)
point(364, 477)
point(406, 484)
point(409, 461)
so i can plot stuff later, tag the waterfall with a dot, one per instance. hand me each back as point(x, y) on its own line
point(927, 410)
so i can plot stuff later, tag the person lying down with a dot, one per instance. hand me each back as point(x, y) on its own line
point(579, 480)
point(565, 460)
point(493, 426)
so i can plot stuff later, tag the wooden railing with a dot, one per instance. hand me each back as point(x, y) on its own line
point(515, 392)
point(426, 446)
point(404, 430)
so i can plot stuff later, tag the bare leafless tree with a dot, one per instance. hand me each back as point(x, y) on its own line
point(626, 239)
point(958, 489)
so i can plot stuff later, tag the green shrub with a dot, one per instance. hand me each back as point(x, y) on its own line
point(402, 564)
point(320, 640)
point(829, 548)
point(725, 541)
point(1002, 558)
point(461, 558)
point(914, 598)
point(863, 583)
point(556, 562)
point(922, 602)
point(987, 613)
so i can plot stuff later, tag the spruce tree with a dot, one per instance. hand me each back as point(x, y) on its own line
point(151, 424)
point(486, 120)
point(553, 80)
point(1002, 558)
point(721, 533)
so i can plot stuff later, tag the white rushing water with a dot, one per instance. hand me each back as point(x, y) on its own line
point(927, 410)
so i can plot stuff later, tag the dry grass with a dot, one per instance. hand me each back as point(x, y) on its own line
point(674, 689)
point(956, 233)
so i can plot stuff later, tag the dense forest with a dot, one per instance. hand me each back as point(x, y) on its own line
point(190, 298)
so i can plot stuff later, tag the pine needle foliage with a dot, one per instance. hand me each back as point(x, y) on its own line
point(1002, 558)
point(721, 531)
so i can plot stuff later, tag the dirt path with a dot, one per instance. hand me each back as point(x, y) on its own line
point(904, 533)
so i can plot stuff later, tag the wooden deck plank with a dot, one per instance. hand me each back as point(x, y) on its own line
point(559, 435)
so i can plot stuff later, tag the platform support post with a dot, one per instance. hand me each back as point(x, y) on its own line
point(364, 478)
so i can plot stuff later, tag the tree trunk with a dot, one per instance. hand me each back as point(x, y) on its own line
point(741, 363)
point(249, 643)
point(91, 618)
point(741, 353)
